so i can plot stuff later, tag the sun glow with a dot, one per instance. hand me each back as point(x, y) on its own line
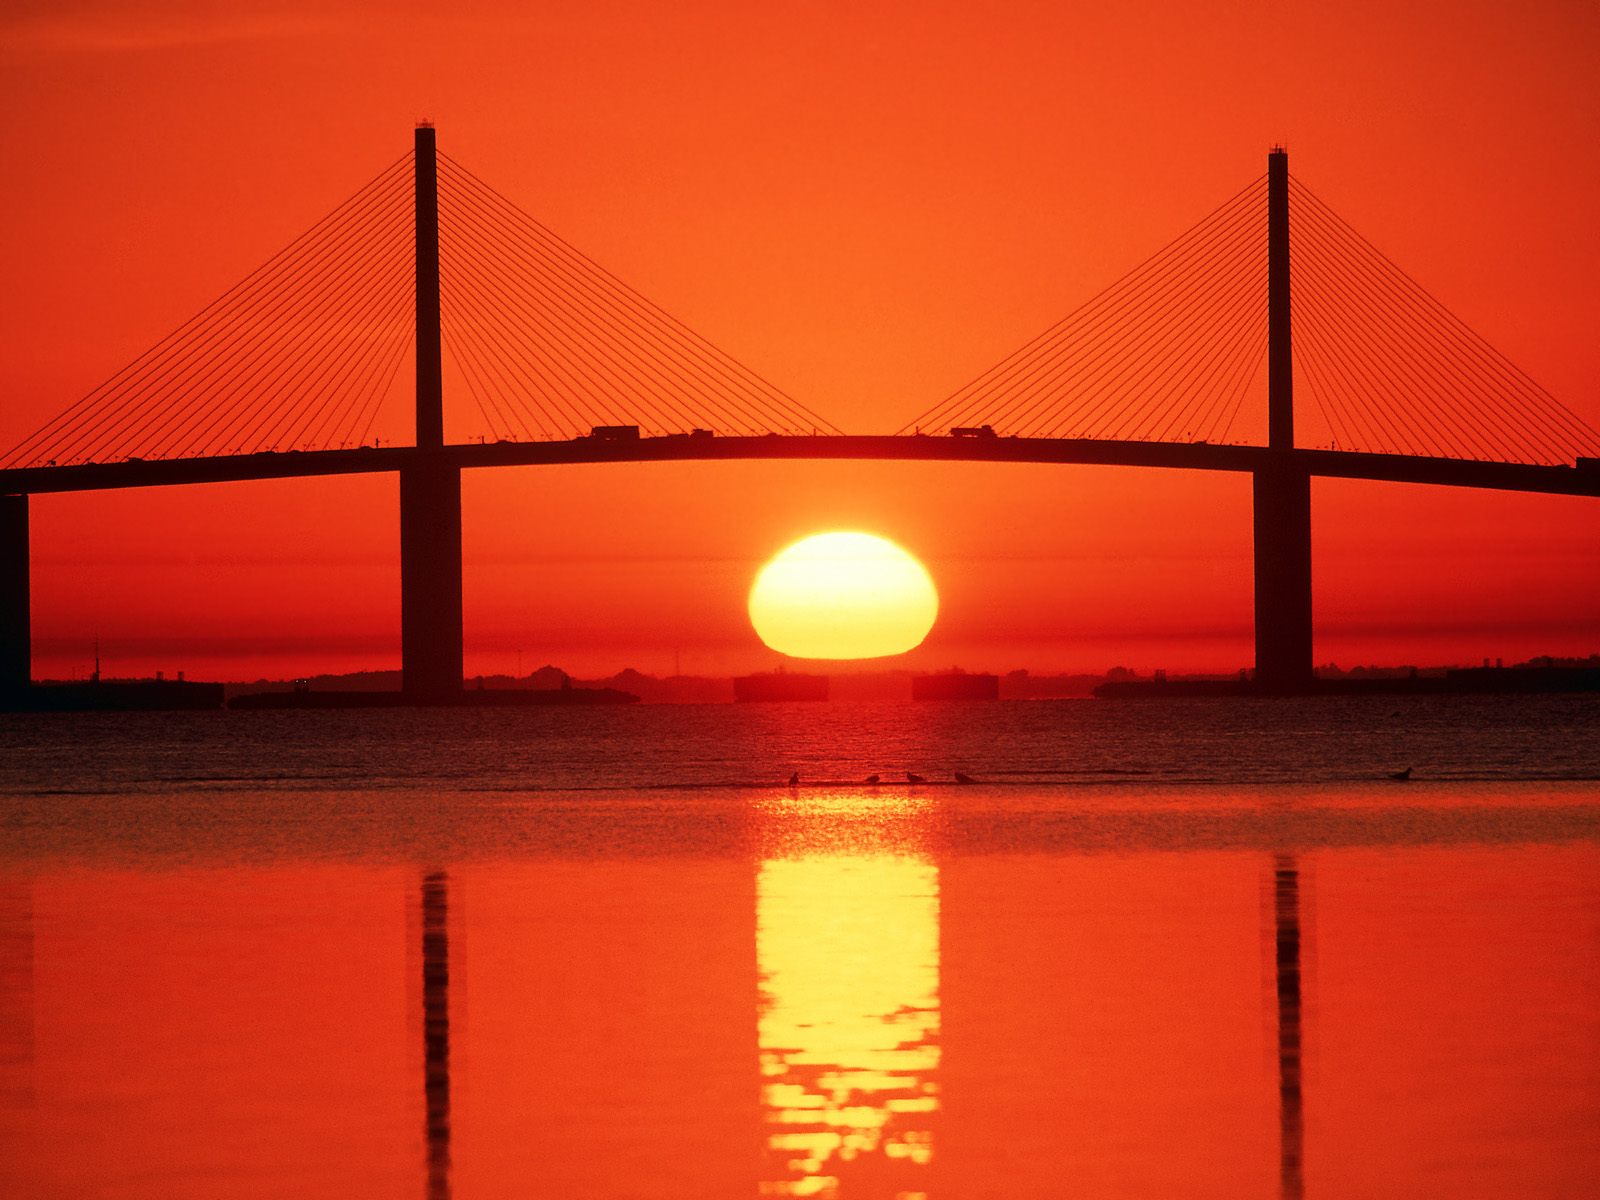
point(847, 946)
point(843, 595)
point(848, 949)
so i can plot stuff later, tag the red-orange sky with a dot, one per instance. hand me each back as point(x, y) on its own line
point(867, 203)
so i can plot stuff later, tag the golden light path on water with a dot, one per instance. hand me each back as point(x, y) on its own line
point(847, 943)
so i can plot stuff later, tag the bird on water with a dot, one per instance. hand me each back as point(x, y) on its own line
point(913, 777)
point(1401, 776)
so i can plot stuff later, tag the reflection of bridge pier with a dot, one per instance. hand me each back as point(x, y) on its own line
point(16, 650)
point(436, 1030)
point(17, 1018)
point(1291, 1114)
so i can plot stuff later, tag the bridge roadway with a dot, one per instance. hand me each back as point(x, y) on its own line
point(1580, 480)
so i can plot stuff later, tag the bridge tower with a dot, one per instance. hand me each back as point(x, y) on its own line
point(1282, 488)
point(16, 645)
point(430, 486)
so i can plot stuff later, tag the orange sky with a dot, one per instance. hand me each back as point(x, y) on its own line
point(868, 204)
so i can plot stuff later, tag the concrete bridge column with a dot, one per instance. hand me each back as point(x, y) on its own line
point(1282, 490)
point(1283, 578)
point(430, 579)
point(430, 489)
point(16, 625)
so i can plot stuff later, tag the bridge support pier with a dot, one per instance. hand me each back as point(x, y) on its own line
point(430, 489)
point(16, 623)
point(1282, 490)
point(430, 580)
point(1283, 578)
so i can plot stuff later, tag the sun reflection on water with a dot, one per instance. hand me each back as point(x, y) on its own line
point(848, 949)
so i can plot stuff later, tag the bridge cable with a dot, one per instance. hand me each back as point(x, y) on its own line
point(123, 389)
point(501, 379)
point(385, 382)
point(1360, 309)
point(1106, 311)
point(268, 376)
point(132, 429)
point(491, 272)
point(1359, 364)
point(258, 365)
point(364, 412)
point(1160, 322)
point(613, 344)
point(672, 333)
point(600, 285)
point(541, 371)
point(338, 382)
point(1087, 313)
point(1190, 316)
point(1487, 388)
point(1106, 353)
point(1108, 344)
point(616, 347)
point(1481, 356)
point(500, 424)
point(1109, 321)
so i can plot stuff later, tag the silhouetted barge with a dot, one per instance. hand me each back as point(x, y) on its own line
point(780, 685)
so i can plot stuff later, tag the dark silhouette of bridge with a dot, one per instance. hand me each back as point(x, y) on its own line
point(284, 375)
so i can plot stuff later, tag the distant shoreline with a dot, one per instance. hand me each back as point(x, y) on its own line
point(550, 686)
point(1455, 681)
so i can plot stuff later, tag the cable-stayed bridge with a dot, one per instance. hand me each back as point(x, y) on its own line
point(1174, 365)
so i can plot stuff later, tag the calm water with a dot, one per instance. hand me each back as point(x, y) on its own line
point(1193, 949)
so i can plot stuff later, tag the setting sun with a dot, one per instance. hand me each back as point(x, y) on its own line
point(843, 595)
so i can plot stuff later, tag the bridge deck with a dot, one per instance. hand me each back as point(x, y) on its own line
point(1580, 480)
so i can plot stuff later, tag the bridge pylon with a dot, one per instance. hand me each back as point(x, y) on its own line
point(430, 488)
point(1282, 489)
point(16, 644)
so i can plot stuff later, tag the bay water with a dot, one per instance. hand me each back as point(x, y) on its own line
point(1202, 948)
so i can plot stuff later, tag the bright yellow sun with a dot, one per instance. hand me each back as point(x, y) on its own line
point(843, 595)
